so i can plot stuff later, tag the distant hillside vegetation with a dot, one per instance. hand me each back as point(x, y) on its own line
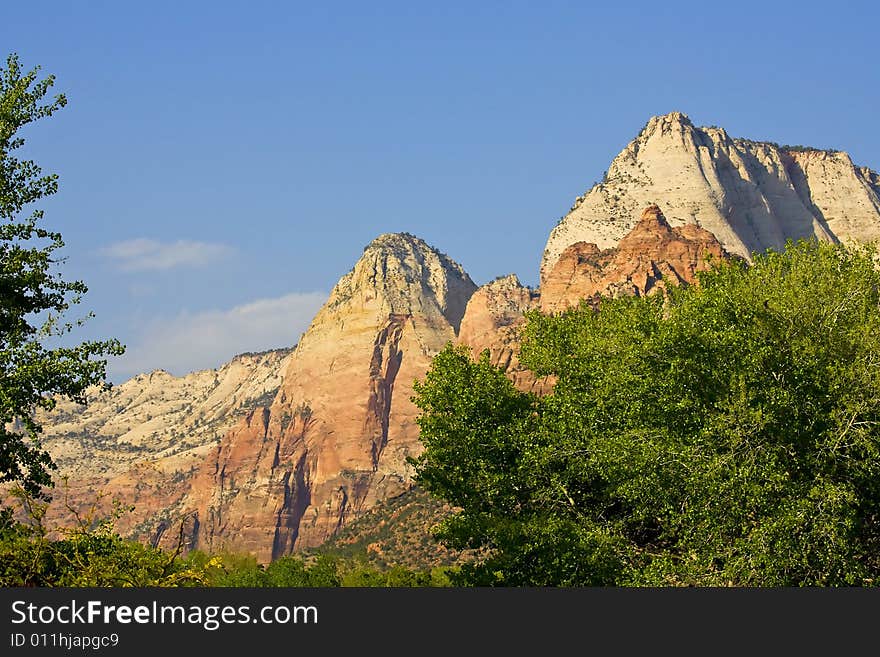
point(397, 532)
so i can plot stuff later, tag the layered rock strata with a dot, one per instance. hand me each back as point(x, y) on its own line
point(336, 438)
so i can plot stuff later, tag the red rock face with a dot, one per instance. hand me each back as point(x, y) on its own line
point(337, 436)
point(493, 320)
point(650, 257)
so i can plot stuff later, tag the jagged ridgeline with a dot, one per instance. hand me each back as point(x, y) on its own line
point(751, 195)
point(279, 452)
point(153, 431)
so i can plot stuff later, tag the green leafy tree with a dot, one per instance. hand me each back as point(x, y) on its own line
point(34, 298)
point(728, 434)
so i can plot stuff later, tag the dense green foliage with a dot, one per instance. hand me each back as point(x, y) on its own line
point(33, 296)
point(90, 553)
point(320, 570)
point(727, 435)
point(100, 557)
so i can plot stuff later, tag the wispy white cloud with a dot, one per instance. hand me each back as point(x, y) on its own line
point(202, 340)
point(144, 254)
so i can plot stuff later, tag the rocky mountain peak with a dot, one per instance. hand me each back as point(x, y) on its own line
point(337, 436)
point(667, 122)
point(751, 195)
point(504, 283)
point(651, 230)
point(408, 248)
point(501, 302)
point(400, 273)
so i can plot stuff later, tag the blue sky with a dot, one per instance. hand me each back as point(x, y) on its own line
point(223, 164)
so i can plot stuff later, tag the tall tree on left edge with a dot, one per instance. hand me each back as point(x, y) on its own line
point(34, 298)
